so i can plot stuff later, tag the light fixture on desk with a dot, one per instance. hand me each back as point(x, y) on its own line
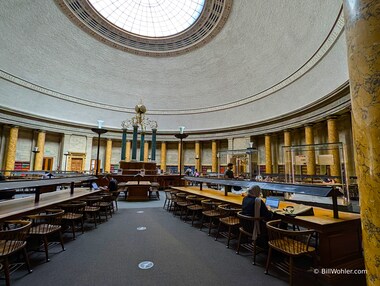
point(98, 131)
point(181, 135)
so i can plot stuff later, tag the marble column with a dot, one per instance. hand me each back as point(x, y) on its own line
point(88, 152)
point(198, 161)
point(268, 154)
point(179, 156)
point(128, 151)
point(154, 135)
point(287, 155)
point(310, 152)
point(142, 142)
point(134, 143)
point(274, 154)
point(123, 144)
point(38, 159)
point(333, 137)
point(107, 161)
point(163, 156)
point(362, 18)
point(10, 156)
point(214, 156)
point(146, 151)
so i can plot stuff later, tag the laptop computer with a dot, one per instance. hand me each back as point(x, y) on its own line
point(95, 186)
point(272, 203)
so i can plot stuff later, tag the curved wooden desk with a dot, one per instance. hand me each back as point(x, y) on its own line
point(23, 206)
point(339, 238)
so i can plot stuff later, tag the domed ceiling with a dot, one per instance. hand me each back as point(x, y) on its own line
point(264, 61)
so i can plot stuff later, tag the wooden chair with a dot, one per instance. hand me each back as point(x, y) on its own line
point(154, 189)
point(168, 198)
point(194, 206)
point(210, 210)
point(45, 224)
point(173, 200)
point(13, 236)
point(92, 208)
point(181, 203)
point(106, 204)
point(74, 213)
point(247, 228)
point(228, 217)
point(289, 242)
point(115, 197)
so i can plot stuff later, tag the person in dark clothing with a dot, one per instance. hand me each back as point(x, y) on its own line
point(251, 201)
point(248, 205)
point(112, 183)
point(229, 174)
point(112, 186)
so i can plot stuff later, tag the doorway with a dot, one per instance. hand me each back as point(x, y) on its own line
point(47, 163)
point(76, 164)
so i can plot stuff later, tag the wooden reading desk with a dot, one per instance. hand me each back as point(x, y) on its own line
point(339, 238)
point(136, 190)
point(17, 208)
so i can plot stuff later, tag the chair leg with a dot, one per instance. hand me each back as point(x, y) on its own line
point(192, 218)
point(254, 252)
point(200, 228)
point(238, 245)
point(209, 226)
point(95, 215)
point(229, 236)
point(73, 228)
point(6, 272)
point(217, 231)
point(26, 258)
point(290, 270)
point(268, 260)
point(61, 240)
point(46, 248)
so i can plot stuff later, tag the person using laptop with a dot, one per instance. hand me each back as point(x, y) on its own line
point(112, 184)
point(253, 201)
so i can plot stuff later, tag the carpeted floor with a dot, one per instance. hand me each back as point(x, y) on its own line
point(182, 255)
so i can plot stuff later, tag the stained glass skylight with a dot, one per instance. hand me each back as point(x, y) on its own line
point(152, 18)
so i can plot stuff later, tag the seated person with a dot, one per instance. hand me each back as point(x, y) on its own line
point(112, 184)
point(252, 200)
point(254, 206)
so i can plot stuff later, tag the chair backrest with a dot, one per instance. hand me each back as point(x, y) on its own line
point(293, 242)
point(77, 207)
point(13, 236)
point(228, 210)
point(208, 204)
point(168, 195)
point(181, 197)
point(48, 217)
point(247, 223)
point(193, 199)
point(93, 200)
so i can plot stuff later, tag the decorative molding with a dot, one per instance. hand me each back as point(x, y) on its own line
point(336, 103)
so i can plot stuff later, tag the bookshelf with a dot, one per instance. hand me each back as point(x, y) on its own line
point(22, 166)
